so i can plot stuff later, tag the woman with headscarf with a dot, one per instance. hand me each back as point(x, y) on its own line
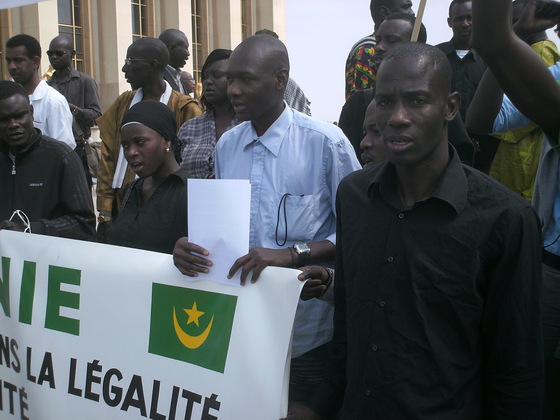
point(154, 210)
point(200, 135)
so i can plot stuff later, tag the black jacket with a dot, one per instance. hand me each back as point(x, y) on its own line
point(47, 182)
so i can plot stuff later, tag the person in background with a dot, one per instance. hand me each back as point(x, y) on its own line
point(360, 68)
point(145, 62)
point(79, 89)
point(517, 158)
point(320, 280)
point(178, 46)
point(51, 112)
point(154, 210)
point(468, 69)
point(395, 29)
point(188, 82)
point(198, 136)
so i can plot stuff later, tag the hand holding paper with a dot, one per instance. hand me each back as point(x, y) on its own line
point(186, 260)
point(218, 214)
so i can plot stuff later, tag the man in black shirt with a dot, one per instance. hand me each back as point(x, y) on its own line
point(468, 68)
point(43, 189)
point(81, 92)
point(437, 289)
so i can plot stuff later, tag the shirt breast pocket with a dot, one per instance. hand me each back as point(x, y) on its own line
point(296, 217)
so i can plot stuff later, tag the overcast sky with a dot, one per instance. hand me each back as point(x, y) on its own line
point(319, 36)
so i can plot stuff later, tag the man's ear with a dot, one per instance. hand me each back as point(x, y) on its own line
point(73, 53)
point(154, 64)
point(282, 77)
point(37, 62)
point(449, 22)
point(31, 110)
point(384, 12)
point(453, 104)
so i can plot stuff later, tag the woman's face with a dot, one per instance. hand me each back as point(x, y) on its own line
point(214, 82)
point(144, 149)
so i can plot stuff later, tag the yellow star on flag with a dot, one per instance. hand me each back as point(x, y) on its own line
point(193, 314)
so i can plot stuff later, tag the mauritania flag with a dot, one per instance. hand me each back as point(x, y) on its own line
point(190, 325)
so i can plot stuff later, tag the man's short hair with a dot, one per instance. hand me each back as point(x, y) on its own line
point(432, 59)
point(65, 40)
point(375, 9)
point(153, 48)
point(272, 50)
point(9, 89)
point(32, 45)
point(170, 35)
point(454, 2)
point(267, 32)
point(422, 35)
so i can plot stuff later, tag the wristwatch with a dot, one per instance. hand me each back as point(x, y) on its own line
point(304, 253)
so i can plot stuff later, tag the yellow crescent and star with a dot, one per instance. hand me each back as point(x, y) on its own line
point(192, 341)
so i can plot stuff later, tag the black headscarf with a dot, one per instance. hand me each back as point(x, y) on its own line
point(155, 115)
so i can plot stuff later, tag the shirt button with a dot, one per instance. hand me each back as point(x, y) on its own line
point(367, 392)
point(401, 215)
point(382, 303)
point(374, 348)
point(390, 259)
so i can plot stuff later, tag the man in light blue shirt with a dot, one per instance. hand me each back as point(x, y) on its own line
point(294, 164)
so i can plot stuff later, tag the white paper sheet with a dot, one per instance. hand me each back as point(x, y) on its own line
point(219, 219)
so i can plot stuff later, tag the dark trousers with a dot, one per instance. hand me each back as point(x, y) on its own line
point(551, 339)
point(306, 372)
point(80, 151)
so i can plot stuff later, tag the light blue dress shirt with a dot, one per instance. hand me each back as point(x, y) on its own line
point(509, 118)
point(294, 169)
point(546, 198)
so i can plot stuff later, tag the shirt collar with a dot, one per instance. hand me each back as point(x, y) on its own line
point(452, 187)
point(273, 137)
point(72, 75)
point(448, 48)
point(40, 91)
point(174, 71)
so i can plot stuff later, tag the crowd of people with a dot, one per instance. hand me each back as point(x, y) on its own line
point(432, 273)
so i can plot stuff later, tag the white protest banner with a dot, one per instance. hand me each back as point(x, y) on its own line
point(93, 332)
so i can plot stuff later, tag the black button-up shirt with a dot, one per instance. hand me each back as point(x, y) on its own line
point(466, 74)
point(436, 307)
point(81, 90)
point(160, 222)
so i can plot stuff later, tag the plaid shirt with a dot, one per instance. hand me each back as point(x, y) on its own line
point(295, 97)
point(197, 138)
